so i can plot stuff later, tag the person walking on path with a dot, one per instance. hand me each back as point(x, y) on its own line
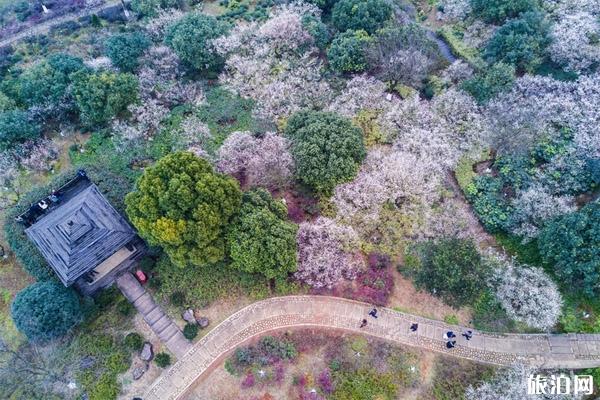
point(414, 327)
point(468, 335)
point(449, 335)
point(363, 323)
point(450, 344)
point(373, 313)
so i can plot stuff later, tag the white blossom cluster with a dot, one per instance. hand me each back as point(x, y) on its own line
point(327, 253)
point(275, 64)
point(576, 41)
point(157, 26)
point(537, 105)
point(527, 293)
point(511, 384)
point(534, 206)
point(265, 161)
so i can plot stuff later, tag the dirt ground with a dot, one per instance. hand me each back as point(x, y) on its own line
point(405, 297)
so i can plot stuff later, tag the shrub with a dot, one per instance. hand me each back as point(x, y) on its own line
point(191, 39)
point(327, 148)
point(15, 127)
point(570, 244)
point(133, 341)
point(521, 42)
point(163, 360)
point(367, 15)
point(102, 96)
point(124, 49)
point(177, 299)
point(498, 11)
point(183, 206)
point(488, 202)
point(364, 384)
point(260, 238)
point(347, 52)
point(190, 331)
point(451, 269)
point(45, 311)
point(488, 84)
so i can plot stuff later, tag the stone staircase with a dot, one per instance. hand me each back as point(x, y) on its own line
point(160, 323)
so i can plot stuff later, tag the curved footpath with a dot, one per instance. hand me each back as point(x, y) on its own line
point(283, 313)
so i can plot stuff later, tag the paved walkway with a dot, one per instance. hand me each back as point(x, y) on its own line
point(153, 314)
point(44, 27)
point(281, 313)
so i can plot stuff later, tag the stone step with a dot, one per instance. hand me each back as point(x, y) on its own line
point(154, 315)
point(168, 332)
point(161, 324)
point(145, 304)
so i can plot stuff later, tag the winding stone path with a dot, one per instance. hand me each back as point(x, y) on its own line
point(153, 314)
point(283, 313)
point(45, 26)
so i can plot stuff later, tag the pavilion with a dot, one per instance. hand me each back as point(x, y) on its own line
point(83, 238)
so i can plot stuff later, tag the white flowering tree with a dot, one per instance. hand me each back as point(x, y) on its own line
point(533, 207)
point(527, 293)
point(274, 63)
point(575, 41)
point(265, 161)
point(511, 384)
point(327, 253)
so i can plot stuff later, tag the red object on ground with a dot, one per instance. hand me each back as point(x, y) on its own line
point(141, 276)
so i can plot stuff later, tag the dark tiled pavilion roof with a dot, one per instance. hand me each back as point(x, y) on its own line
point(79, 234)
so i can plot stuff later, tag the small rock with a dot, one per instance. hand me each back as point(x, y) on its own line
point(139, 371)
point(188, 316)
point(147, 352)
point(203, 322)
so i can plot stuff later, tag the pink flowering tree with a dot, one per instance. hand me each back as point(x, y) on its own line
point(262, 161)
point(327, 253)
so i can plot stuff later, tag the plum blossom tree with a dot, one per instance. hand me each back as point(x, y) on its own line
point(157, 26)
point(268, 62)
point(397, 177)
point(265, 161)
point(527, 293)
point(534, 206)
point(509, 384)
point(327, 253)
point(536, 106)
point(440, 131)
point(361, 92)
point(576, 41)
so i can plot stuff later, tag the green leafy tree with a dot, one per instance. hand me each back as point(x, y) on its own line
point(47, 82)
point(6, 103)
point(498, 11)
point(124, 49)
point(191, 37)
point(45, 310)
point(102, 96)
point(521, 42)
point(15, 127)
point(261, 240)
point(571, 244)
point(488, 84)
point(450, 268)
point(368, 15)
point(163, 360)
point(317, 29)
point(182, 205)
point(327, 148)
point(347, 52)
